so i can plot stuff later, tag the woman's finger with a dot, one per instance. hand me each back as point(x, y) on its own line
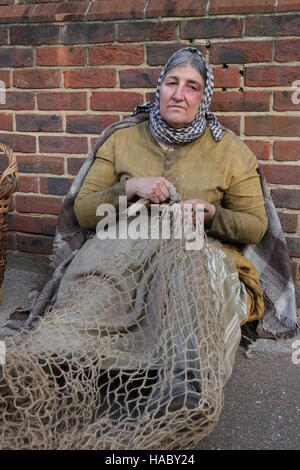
point(164, 191)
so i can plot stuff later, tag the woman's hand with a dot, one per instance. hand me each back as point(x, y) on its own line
point(209, 215)
point(154, 188)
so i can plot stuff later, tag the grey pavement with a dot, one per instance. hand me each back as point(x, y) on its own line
point(262, 400)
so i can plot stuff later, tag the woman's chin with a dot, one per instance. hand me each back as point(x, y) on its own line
point(177, 123)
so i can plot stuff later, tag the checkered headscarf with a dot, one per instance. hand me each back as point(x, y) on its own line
point(164, 131)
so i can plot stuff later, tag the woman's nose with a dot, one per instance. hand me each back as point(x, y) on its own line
point(178, 93)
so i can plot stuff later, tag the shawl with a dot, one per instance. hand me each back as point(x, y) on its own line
point(270, 257)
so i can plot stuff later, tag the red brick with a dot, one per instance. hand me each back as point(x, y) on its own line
point(5, 77)
point(280, 25)
point(116, 55)
point(115, 101)
point(260, 148)
point(226, 77)
point(86, 33)
point(286, 150)
point(65, 11)
point(283, 100)
point(55, 186)
point(169, 8)
point(240, 52)
point(288, 126)
point(93, 124)
point(287, 50)
point(90, 78)
point(38, 123)
point(116, 10)
point(16, 57)
point(15, 13)
point(224, 7)
point(147, 31)
point(271, 76)
point(32, 224)
point(12, 241)
point(139, 78)
point(74, 165)
point(6, 122)
point(211, 28)
point(159, 54)
point(19, 142)
point(56, 144)
point(18, 100)
point(3, 35)
point(11, 206)
point(36, 78)
point(35, 243)
point(49, 225)
point(293, 244)
point(35, 34)
point(282, 174)
point(28, 184)
point(288, 5)
point(295, 270)
point(62, 56)
point(62, 101)
point(289, 222)
point(38, 204)
point(231, 122)
point(240, 101)
point(40, 164)
point(285, 197)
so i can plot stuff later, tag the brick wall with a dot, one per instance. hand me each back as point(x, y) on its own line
point(71, 68)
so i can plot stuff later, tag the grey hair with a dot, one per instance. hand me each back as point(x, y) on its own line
point(187, 57)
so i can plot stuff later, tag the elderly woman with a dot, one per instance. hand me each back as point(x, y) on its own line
point(182, 143)
point(168, 319)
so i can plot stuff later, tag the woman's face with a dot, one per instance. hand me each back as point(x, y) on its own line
point(180, 95)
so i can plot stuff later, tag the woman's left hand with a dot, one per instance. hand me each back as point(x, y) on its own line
point(208, 216)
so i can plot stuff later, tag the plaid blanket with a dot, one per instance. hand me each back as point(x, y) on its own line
point(270, 257)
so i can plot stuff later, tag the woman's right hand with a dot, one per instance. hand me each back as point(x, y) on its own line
point(154, 188)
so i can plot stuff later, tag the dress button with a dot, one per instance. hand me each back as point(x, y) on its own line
point(170, 149)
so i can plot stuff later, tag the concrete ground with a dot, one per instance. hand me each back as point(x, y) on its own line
point(262, 398)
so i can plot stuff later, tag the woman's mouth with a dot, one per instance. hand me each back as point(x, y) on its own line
point(175, 106)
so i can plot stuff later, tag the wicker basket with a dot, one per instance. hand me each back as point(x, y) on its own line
point(8, 182)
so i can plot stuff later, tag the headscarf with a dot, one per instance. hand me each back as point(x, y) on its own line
point(164, 131)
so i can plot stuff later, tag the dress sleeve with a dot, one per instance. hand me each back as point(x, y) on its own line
point(242, 217)
point(101, 186)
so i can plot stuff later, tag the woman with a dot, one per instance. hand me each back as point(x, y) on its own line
point(147, 310)
point(207, 164)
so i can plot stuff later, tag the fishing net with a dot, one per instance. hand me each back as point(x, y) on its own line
point(130, 356)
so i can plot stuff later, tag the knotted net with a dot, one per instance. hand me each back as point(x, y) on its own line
point(131, 355)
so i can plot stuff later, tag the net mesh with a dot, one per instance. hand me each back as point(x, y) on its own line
point(131, 355)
